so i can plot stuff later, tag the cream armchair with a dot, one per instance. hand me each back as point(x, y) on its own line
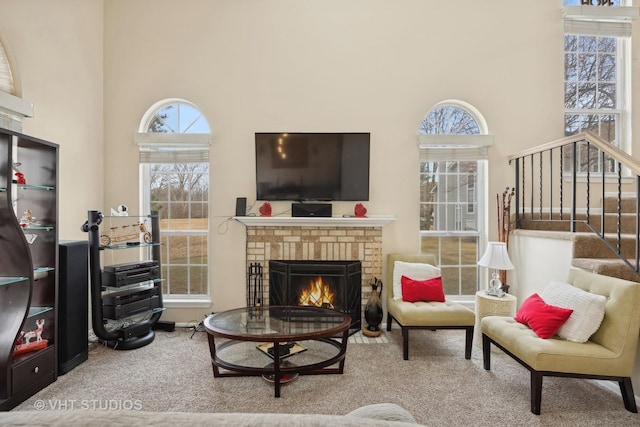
point(608, 355)
point(425, 315)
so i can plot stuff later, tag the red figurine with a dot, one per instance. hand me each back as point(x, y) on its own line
point(265, 209)
point(360, 211)
point(20, 178)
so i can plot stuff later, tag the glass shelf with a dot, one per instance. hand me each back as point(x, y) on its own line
point(36, 187)
point(129, 246)
point(39, 227)
point(124, 217)
point(41, 272)
point(36, 311)
point(10, 280)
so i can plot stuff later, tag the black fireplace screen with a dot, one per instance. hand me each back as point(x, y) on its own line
point(330, 284)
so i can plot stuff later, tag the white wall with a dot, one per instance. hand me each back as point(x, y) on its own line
point(538, 260)
point(362, 66)
point(57, 47)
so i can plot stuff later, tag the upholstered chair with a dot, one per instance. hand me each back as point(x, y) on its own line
point(423, 314)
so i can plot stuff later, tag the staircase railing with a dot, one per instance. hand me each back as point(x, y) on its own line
point(556, 182)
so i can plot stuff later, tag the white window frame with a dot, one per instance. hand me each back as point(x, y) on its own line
point(186, 146)
point(614, 21)
point(13, 109)
point(443, 147)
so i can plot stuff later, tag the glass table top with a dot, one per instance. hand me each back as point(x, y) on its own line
point(277, 323)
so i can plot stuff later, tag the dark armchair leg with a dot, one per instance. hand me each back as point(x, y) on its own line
point(486, 352)
point(626, 389)
point(468, 343)
point(405, 343)
point(388, 321)
point(536, 391)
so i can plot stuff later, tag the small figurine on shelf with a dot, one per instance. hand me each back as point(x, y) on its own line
point(24, 343)
point(19, 176)
point(265, 209)
point(27, 219)
point(360, 211)
point(123, 210)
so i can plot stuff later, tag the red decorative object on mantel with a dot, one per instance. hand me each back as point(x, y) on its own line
point(265, 209)
point(360, 211)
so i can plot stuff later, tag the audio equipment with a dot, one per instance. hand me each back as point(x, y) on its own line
point(311, 209)
point(130, 273)
point(136, 330)
point(241, 206)
point(73, 311)
point(117, 305)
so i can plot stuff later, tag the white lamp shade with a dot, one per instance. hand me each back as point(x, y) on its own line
point(496, 256)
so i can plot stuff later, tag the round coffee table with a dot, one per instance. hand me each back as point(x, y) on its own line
point(277, 342)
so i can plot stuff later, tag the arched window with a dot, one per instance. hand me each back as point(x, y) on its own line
point(12, 108)
point(453, 144)
point(174, 143)
point(6, 80)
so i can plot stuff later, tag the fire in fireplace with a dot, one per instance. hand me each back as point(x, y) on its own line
point(317, 294)
point(330, 284)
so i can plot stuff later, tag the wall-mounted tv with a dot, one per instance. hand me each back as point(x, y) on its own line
point(312, 166)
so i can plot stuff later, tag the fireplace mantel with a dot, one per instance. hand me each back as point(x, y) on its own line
point(288, 221)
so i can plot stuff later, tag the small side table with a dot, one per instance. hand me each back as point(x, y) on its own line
point(489, 305)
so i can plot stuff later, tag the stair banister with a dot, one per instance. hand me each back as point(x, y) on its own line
point(622, 159)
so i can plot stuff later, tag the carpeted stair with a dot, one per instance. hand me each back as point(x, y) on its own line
point(589, 251)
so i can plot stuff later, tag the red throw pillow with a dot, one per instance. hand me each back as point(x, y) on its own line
point(422, 290)
point(542, 318)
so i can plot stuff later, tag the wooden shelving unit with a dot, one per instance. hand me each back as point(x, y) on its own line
point(28, 266)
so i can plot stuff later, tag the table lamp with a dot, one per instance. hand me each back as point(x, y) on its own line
point(496, 257)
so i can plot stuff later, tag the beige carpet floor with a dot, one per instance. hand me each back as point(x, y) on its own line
point(437, 385)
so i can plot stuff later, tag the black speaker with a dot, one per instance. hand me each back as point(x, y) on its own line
point(241, 206)
point(73, 306)
point(311, 209)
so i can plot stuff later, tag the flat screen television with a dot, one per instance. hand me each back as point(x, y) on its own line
point(312, 166)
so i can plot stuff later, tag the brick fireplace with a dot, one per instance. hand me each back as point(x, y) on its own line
point(320, 239)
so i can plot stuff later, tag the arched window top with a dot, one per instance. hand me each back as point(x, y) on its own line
point(173, 123)
point(453, 129)
point(6, 80)
point(453, 117)
point(174, 116)
point(12, 107)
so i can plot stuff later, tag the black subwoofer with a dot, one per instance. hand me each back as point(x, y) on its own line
point(73, 306)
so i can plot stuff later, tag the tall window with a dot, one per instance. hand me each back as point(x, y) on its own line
point(6, 80)
point(12, 108)
point(174, 170)
point(453, 154)
point(597, 99)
